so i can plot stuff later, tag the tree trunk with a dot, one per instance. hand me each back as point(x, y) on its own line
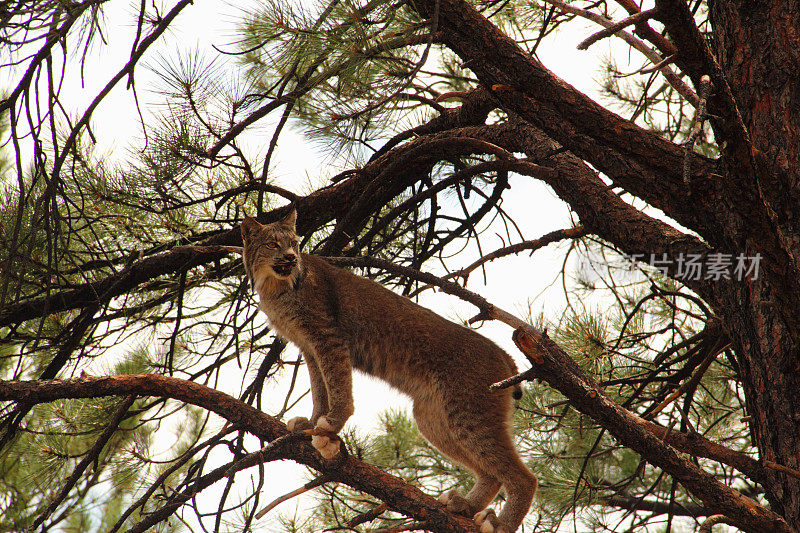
point(758, 49)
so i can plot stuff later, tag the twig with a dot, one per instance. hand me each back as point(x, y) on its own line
point(369, 516)
point(712, 521)
point(658, 66)
point(314, 483)
point(514, 380)
point(688, 384)
point(697, 129)
point(614, 28)
point(413, 526)
point(91, 456)
point(457, 95)
point(781, 468)
point(215, 248)
point(654, 57)
point(532, 245)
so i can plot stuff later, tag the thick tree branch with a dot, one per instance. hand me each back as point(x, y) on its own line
point(600, 209)
point(643, 163)
point(397, 494)
point(652, 442)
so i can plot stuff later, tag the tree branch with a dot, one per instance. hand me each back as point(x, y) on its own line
point(396, 493)
point(600, 209)
point(91, 456)
point(633, 503)
point(640, 161)
point(652, 442)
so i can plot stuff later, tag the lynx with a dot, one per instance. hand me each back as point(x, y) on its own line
point(341, 322)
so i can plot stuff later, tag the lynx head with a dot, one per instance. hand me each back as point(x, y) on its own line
point(271, 251)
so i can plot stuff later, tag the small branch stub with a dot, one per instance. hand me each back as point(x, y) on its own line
point(501, 87)
point(528, 346)
point(697, 129)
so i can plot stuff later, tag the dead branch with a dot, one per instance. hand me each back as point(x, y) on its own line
point(690, 383)
point(636, 18)
point(209, 249)
point(697, 129)
point(655, 58)
point(709, 523)
point(532, 245)
point(369, 516)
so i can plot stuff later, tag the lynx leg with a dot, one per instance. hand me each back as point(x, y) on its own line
point(456, 503)
point(432, 422)
point(333, 359)
point(491, 449)
point(488, 522)
point(483, 492)
point(319, 393)
point(319, 396)
point(520, 487)
point(299, 423)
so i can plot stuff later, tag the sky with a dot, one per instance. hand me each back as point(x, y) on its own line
point(512, 281)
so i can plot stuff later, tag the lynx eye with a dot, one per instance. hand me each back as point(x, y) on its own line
point(272, 245)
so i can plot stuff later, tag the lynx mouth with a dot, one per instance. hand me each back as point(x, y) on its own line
point(284, 268)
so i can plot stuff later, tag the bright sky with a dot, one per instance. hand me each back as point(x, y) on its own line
point(512, 281)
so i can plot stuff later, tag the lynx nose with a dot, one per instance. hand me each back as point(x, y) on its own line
point(289, 258)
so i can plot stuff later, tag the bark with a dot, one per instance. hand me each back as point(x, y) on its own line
point(396, 493)
point(758, 51)
point(658, 445)
point(747, 202)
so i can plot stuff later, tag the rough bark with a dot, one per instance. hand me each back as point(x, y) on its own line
point(397, 494)
point(747, 202)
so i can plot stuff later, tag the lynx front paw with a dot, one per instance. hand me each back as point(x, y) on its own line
point(488, 522)
point(329, 445)
point(456, 503)
point(299, 423)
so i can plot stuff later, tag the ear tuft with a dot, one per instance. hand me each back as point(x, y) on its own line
point(249, 227)
point(290, 221)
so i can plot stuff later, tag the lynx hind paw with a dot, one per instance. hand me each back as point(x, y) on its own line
point(326, 446)
point(299, 423)
point(488, 522)
point(455, 502)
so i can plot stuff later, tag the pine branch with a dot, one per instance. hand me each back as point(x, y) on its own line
point(397, 494)
point(91, 456)
point(645, 164)
point(652, 442)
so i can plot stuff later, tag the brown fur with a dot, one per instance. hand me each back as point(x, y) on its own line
point(341, 321)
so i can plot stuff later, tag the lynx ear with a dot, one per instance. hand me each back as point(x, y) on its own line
point(290, 220)
point(249, 227)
